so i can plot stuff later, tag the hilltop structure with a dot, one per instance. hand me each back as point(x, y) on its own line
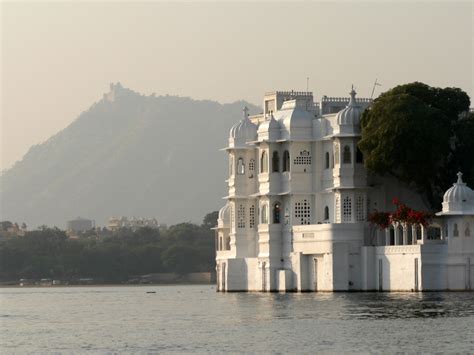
point(297, 207)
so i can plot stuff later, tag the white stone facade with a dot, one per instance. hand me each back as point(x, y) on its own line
point(295, 218)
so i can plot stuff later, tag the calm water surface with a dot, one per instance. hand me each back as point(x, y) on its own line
point(197, 319)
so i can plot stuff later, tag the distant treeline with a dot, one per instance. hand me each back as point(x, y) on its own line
point(49, 253)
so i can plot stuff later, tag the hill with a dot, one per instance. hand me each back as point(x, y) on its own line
point(128, 154)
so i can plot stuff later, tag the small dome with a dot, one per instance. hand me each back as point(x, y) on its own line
point(350, 115)
point(458, 199)
point(459, 192)
point(243, 131)
point(223, 220)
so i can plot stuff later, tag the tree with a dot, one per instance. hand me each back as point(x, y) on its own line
point(418, 134)
point(210, 220)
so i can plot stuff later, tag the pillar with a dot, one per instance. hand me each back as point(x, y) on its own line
point(405, 234)
point(387, 236)
point(424, 234)
point(397, 235)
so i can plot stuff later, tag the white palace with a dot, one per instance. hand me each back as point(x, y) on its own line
point(296, 212)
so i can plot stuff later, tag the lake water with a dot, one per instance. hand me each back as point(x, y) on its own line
point(197, 319)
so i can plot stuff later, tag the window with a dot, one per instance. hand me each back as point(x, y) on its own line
point(360, 209)
point(286, 161)
point(251, 165)
point(240, 167)
point(276, 212)
point(252, 216)
point(467, 231)
point(251, 168)
point(346, 155)
point(434, 233)
point(264, 162)
point(455, 230)
point(275, 162)
point(347, 209)
point(326, 165)
point(264, 214)
point(241, 217)
point(359, 156)
point(303, 159)
point(326, 213)
point(303, 212)
point(336, 153)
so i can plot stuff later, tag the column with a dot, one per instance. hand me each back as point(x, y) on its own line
point(424, 234)
point(387, 236)
point(405, 234)
point(414, 237)
point(397, 235)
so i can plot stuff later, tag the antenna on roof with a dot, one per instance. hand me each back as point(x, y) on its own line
point(373, 89)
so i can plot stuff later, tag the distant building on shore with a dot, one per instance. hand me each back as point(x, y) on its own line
point(133, 223)
point(80, 225)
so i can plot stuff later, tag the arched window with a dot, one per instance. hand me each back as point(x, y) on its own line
point(326, 165)
point(275, 162)
point(347, 209)
point(467, 231)
point(276, 212)
point(286, 161)
point(264, 214)
point(336, 153)
point(264, 162)
point(326, 212)
point(240, 167)
point(346, 155)
point(455, 230)
point(392, 235)
point(359, 156)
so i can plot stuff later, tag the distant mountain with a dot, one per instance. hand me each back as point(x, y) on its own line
point(130, 155)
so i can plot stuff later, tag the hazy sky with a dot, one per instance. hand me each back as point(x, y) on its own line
point(58, 58)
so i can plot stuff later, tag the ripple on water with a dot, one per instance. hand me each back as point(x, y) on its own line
point(196, 318)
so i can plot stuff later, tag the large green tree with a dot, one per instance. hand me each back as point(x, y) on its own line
point(422, 135)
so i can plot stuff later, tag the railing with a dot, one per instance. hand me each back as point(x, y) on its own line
point(344, 99)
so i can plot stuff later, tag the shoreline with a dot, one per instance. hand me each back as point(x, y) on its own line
point(107, 285)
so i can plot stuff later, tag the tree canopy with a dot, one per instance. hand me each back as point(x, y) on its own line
point(422, 135)
point(112, 257)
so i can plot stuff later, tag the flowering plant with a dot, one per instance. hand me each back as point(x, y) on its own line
point(402, 214)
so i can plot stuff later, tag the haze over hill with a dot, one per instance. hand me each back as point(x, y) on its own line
point(129, 154)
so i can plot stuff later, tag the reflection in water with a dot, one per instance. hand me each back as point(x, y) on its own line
point(369, 305)
point(196, 318)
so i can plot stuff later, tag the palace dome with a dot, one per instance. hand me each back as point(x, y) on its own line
point(269, 129)
point(224, 217)
point(459, 197)
point(350, 115)
point(459, 192)
point(242, 132)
